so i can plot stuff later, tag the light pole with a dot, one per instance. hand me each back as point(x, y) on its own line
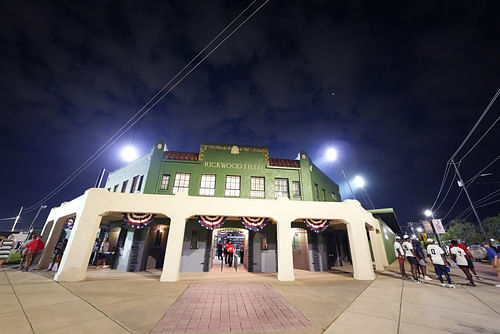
point(34, 219)
point(17, 219)
point(359, 182)
point(332, 155)
point(430, 214)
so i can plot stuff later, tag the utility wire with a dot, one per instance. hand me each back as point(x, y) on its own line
point(482, 170)
point(145, 108)
point(454, 203)
point(447, 192)
point(443, 181)
point(481, 138)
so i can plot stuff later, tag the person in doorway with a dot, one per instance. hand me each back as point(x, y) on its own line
point(219, 251)
point(6, 246)
point(225, 250)
point(459, 256)
point(493, 256)
point(410, 256)
point(468, 256)
point(400, 254)
point(230, 253)
point(34, 248)
point(441, 264)
point(58, 253)
point(422, 262)
point(103, 251)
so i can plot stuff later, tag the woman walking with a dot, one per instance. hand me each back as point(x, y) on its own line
point(5, 247)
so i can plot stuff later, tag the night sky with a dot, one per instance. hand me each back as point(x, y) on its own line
point(395, 86)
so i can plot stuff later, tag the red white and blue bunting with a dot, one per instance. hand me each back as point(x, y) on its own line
point(254, 223)
point(317, 225)
point(211, 222)
point(138, 220)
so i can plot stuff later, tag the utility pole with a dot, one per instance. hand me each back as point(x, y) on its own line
point(17, 219)
point(462, 184)
point(99, 178)
point(34, 219)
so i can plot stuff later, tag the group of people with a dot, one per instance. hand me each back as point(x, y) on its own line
point(412, 251)
point(227, 250)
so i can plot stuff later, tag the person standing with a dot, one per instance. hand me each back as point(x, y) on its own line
point(441, 264)
point(6, 246)
point(225, 251)
point(468, 257)
point(34, 248)
point(422, 262)
point(459, 256)
point(219, 251)
point(493, 256)
point(230, 253)
point(58, 253)
point(103, 251)
point(24, 251)
point(398, 250)
point(410, 256)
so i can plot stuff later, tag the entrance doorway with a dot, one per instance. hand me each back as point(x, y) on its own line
point(220, 260)
point(300, 248)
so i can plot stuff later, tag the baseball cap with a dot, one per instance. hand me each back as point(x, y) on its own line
point(406, 236)
point(430, 240)
point(398, 237)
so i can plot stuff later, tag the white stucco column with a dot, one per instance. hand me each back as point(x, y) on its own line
point(377, 255)
point(76, 256)
point(285, 253)
point(173, 253)
point(360, 251)
point(50, 234)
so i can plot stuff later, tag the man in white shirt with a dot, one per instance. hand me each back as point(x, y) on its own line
point(410, 256)
point(398, 250)
point(441, 265)
point(460, 257)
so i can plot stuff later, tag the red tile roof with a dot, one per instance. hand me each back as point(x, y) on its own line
point(181, 156)
point(283, 162)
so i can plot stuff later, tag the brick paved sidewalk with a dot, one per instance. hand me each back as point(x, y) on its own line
point(225, 306)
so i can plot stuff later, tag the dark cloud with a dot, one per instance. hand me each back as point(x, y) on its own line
point(408, 81)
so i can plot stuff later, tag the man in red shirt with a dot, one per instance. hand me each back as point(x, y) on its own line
point(230, 253)
point(34, 248)
point(468, 256)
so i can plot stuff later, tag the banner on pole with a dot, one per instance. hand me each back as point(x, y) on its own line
point(427, 226)
point(438, 225)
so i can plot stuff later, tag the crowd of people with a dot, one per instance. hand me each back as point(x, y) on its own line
point(411, 251)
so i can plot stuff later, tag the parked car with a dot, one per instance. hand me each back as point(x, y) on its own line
point(478, 252)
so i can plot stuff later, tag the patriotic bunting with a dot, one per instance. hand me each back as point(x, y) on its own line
point(138, 220)
point(317, 225)
point(211, 222)
point(254, 223)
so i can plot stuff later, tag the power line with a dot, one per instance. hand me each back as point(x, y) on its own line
point(481, 138)
point(482, 170)
point(443, 181)
point(446, 195)
point(453, 206)
point(144, 110)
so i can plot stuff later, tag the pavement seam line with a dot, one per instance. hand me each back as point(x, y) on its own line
point(20, 304)
point(481, 301)
point(175, 301)
point(97, 309)
point(401, 304)
point(345, 309)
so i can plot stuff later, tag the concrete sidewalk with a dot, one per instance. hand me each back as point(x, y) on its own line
point(117, 302)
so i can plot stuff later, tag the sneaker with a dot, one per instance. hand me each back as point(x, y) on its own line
point(472, 284)
point(443, 285)
point(497, 286)
point(427, 278)
point(451, 286)
point(417, 281)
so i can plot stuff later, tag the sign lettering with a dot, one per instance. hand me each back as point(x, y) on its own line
point(233, 165)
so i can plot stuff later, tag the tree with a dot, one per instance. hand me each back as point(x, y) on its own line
point(464, 230)
point(492, 227)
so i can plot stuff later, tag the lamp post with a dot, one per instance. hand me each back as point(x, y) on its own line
point(359, 182)
point(429, 213)
point(332, 155)
point(34, 219)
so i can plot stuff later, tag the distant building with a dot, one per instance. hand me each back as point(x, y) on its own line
point(192, 201)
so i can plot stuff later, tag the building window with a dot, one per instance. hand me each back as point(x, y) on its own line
point(257, 187)
point(124, 186)
point(181, 183)
point(195, 236)
point(281, 187)
point(207, 186)
point(115, 189)
point(263, 241)
point(324, 195)
point(316, 191)
point(296, 188)
point(296, 241)
point(165, 180)
point(232, 186)
point(135, 180)
point(139, 187)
